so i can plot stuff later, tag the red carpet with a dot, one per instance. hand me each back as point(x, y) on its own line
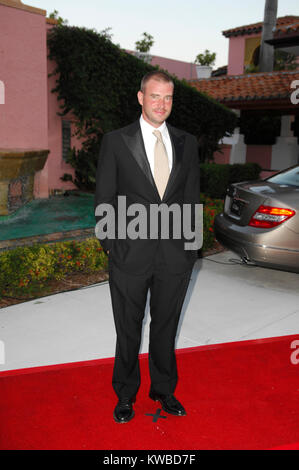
point(237, 395)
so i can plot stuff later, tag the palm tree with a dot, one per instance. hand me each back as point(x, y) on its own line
point(266, 58)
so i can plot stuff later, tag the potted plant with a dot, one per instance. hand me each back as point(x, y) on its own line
point(203, 64)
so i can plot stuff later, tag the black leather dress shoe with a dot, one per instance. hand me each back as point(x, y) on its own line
point(169, 403)
point(123, 411)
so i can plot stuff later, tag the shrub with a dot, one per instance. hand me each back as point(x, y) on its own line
point(26, 270)
point(211, 208)
point(215, 178)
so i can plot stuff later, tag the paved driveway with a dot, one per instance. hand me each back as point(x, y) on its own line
point(226, 301)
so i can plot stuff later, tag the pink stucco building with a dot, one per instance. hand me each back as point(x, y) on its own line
point(31, 132)
point(33, 137)
point(257, 93)
point(178, 68)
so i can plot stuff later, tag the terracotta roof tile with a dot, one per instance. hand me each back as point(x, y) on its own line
point(290, 28)
point(248, 87)
point(257, 27)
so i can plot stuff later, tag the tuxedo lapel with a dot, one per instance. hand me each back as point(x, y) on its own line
point(134, 141)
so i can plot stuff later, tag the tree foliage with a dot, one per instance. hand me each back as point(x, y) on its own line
point(60, 20)
point(145, 44)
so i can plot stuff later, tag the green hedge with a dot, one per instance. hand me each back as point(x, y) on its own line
point(98, 82)
point(215, 178)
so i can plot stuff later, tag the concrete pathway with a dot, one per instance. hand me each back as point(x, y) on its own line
point(226, 301)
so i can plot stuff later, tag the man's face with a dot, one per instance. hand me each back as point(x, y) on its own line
point(156, 101)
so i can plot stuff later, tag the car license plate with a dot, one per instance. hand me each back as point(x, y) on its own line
point(236, 207)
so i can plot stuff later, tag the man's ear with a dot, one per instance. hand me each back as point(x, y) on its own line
point(140, 97)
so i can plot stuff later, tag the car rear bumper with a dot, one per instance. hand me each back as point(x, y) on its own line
point(240, 241)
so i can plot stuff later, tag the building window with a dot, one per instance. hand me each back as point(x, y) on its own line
point(66, 138)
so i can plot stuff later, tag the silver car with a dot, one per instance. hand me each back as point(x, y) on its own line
point(260, 221)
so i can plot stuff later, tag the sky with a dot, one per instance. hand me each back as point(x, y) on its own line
point(181, 29)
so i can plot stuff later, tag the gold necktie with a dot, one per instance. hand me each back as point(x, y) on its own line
point(161, 164)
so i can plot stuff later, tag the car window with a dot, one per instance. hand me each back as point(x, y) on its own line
point(289, 177)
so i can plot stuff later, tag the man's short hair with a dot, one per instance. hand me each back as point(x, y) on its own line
point(156, 75)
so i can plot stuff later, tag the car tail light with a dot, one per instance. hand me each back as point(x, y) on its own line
point(268, 216)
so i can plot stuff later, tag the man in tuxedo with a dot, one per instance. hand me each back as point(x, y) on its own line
point(150, 163)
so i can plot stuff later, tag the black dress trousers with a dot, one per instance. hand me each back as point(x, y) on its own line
point(129, 296)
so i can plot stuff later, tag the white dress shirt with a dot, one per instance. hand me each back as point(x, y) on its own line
point(150, 140)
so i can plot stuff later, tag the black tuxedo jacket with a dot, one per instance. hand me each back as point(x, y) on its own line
point(123, 170)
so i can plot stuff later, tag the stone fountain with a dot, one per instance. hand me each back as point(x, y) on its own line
point(17, 170)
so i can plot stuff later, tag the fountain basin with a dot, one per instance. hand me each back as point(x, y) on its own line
point(17, 170)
